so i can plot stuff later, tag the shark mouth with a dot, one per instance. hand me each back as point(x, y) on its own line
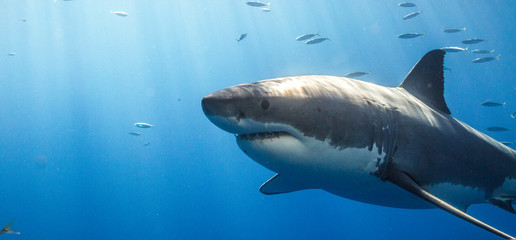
point(261, 135)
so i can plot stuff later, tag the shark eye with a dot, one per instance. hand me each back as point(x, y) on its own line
point(265, 104)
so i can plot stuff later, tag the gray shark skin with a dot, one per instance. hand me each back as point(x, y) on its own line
point(396, 147)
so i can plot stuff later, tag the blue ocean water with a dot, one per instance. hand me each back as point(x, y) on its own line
point(81, 76)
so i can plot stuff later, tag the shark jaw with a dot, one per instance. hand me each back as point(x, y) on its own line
point(266, 143)
point(315, 164)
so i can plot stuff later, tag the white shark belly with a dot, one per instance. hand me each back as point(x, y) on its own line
point(343, 172)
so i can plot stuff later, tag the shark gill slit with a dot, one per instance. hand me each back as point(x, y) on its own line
point(384, 135)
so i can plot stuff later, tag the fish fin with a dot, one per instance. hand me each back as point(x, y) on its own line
point(7, 228)
point(505, 204)
point(404, 181)
point(498, 57)
point(426, 80)
point(280, 184)
point(464, 29)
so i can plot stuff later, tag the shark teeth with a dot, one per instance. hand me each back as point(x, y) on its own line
point(261, 135)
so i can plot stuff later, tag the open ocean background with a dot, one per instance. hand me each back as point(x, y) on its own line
point(81, 78)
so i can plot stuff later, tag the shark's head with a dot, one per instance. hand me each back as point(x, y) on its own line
point(282, 121)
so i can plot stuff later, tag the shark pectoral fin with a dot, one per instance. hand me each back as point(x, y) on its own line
point(404, 181)
point(280, 184)
point(505, 204)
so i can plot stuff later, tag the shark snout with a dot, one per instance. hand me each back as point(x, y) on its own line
point(210, 105)
point(219, 108)
point(220, 103)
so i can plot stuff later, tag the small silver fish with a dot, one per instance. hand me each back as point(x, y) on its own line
point(242, 36)
point(134, 133)
point(485, 59)
point(265, 9)
point(513, 115)
point(498, 129)
point(316, 40)
point(258, 4)
point(492, 104)
point(454, 49)
point(411, 15)
point(146, 144)
point(11, 54)
point(356, 74)
point(143, 125)
point(119, 13)
point(406, 4)
point(474, 40)
point(454, 30)
point(482, 51)
point(410, 35)
point(306, 36)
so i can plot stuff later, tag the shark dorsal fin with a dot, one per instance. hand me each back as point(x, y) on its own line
point(426, 81)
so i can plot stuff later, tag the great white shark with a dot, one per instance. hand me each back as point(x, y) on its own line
point(389, 146)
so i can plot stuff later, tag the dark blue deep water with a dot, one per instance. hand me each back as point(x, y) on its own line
point(81, 76)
